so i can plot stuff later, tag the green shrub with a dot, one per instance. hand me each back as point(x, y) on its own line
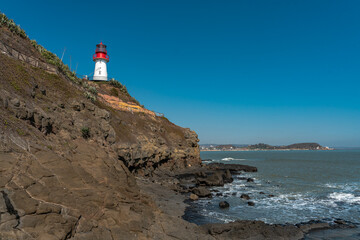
point(85, 85)
point(11, 25)
point(93, 90)
point(85, 132)
point(90, 96)
point(118, 85)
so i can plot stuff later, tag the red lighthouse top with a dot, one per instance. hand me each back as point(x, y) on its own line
point(101, 52)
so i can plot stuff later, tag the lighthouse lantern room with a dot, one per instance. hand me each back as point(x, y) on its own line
point(101, 59)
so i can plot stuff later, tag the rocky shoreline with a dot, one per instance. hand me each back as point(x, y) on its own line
point(171, 192)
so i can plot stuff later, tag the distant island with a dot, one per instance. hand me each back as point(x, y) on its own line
point(262, 146)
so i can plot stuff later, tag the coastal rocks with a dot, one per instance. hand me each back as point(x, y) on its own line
point(340, 221)
point(203, 176)
point(245, 196)
point(202, 192)
point(233, 168)
point(307, 227)
point(251, 203)
point(224, 204)
point(194, 197)
point(216, 178)
point(244, 229)
point(247, 229)
point(60, 195)
point(250, 180)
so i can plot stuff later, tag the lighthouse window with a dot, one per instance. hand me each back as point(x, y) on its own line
point(99, 72)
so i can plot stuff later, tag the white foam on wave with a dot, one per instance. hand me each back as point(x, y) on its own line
point(220, 216)
point(232, 159)
point(344, 197)
point(329, 185)
point(347, 187)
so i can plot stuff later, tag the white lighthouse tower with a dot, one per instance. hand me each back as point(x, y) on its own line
point(101, 59)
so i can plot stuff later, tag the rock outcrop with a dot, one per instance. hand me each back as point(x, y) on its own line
point(68, 163)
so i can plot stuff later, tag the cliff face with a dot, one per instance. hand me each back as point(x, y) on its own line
point(67, 160)
point(58, 108)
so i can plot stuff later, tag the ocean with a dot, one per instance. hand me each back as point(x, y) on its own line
point(306, 185)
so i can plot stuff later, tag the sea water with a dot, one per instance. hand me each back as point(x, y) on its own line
point(306, 185)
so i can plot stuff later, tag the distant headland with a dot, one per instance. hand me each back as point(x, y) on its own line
point(262, 147)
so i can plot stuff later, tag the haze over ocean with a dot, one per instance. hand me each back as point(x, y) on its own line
point(277, 72)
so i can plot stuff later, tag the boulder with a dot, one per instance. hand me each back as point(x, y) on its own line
point(339, 221)
point(251, 203)
point(194, 197)
point(224, 204)
point(202, 192)
point(215, 178)
point(245, 196)
point(250, 180)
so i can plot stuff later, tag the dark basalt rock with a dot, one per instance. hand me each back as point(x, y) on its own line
point(251, 203)
point(205, 178)
point(245, 229)
point(245, 196)
point(339, 221)
point(250, 180)
point(215, 179)
point(202, 192)
point(233, 168)
point(224, 204)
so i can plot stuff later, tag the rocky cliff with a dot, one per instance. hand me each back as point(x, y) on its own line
point(69, 151)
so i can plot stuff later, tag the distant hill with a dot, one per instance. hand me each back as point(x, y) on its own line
point(306, 146)
point(262, 146)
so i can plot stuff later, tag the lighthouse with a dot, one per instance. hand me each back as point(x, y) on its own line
point(101, 59)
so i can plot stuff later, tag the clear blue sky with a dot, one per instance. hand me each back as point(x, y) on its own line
point(252, 71)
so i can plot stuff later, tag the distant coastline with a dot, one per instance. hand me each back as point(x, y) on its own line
point(264, 147)
point(264, 150)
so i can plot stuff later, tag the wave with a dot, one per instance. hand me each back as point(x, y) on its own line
point(232, 159)
point(345, 197)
